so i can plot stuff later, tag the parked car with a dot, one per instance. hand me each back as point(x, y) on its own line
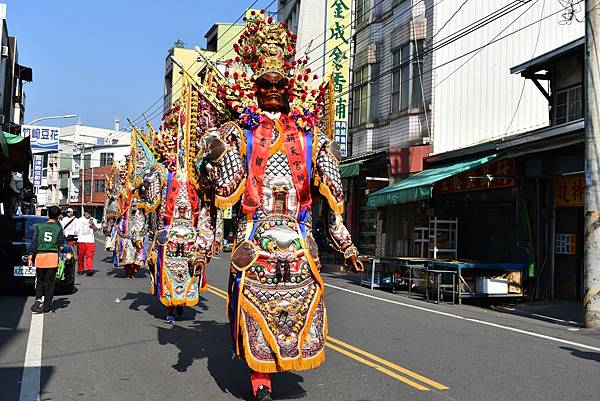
point(15, 247)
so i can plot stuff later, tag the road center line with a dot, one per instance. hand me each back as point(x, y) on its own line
point(377, 367)
point(375, 362)
point(32, 368)
point(483, 322)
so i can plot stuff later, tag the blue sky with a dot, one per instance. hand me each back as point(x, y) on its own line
point(105, 59)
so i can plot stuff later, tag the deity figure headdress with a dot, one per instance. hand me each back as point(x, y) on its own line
point(267, 46)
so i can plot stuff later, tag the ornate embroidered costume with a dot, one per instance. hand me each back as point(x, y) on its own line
point(184, 234)
point(270, 163)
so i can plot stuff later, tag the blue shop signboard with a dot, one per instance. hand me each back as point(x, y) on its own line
point(42, 138)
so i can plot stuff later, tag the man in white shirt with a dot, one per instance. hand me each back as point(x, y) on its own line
point(86, 246)
point(69, 225)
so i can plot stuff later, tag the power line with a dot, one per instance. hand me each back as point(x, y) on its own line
point(348, 89)
point(503, 11)
point(158, 110)
point(385, 25)
point(215, 56)
point(450, 19)
point(508, 8)
point(479, 51)
point(524, 81)
point(446, 41)
point(169, 91)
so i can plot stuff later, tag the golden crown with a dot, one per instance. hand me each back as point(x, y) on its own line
point(265, 45)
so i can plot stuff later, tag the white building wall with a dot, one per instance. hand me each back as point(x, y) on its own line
point(72, 140)
point(477, 102)
point(91, 135)
point(119, 152)
point(307, 18)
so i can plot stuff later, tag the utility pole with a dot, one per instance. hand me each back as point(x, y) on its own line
point(591, 299)
point(82, 177)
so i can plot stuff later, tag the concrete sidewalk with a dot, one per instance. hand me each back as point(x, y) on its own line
point(562, 312)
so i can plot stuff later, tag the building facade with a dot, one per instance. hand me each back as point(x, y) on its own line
point(85, 155)
point(430, 77)
point(12, 77)
point(515, 202)
point(15, 157)
point(219, 46)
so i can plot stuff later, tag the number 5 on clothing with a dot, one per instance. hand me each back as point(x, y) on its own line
point(47, 236)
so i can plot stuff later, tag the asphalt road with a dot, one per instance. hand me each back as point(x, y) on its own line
point(108, 341)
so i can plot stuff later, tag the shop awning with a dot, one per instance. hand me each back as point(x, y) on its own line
point(419, 186)
point(350, 169)
point(15, 153)
point(8, 139)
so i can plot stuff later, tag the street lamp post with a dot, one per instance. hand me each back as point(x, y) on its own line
point(52, 118)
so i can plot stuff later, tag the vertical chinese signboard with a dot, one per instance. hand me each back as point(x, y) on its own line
point(337, 65)
point(569, 190)
point(38, 165)
point(42, 138)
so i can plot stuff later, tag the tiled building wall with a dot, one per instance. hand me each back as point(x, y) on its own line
point(397, 24)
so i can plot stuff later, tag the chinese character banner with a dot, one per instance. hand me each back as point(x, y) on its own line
point(42, 138)
point(337, 64)
point(38, 166)
point(497, 174)
point(569, 190)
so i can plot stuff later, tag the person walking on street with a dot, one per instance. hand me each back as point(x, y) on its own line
point(69, 225)
point(48, 239)
point(86, 226)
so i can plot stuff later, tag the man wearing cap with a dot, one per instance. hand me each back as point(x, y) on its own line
point(86, 245)
point(69, 225)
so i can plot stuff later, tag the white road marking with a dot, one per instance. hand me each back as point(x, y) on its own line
point(522, 312)
point(483, 322)
point(556, 320)
point(32, 368)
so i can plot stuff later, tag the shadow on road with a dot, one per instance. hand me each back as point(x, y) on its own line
point(590, 356)
point(60, 303)
point(151, 305)
point(119, 272)
point(210, 340)
point(14, 302)
point(10, 381)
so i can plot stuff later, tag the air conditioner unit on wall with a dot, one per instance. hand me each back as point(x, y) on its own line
point(4, 51)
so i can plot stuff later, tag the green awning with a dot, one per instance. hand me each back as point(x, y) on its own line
point(419, 186)
point(8, 139)
point(12, 139)
point(350, 169)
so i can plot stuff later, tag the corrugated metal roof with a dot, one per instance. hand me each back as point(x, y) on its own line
point(541, 60)
point(510, 142)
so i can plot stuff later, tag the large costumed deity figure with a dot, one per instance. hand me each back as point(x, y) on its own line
point(111, 210)
point(273, 160)
point(133, 222)
point(184, 234)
